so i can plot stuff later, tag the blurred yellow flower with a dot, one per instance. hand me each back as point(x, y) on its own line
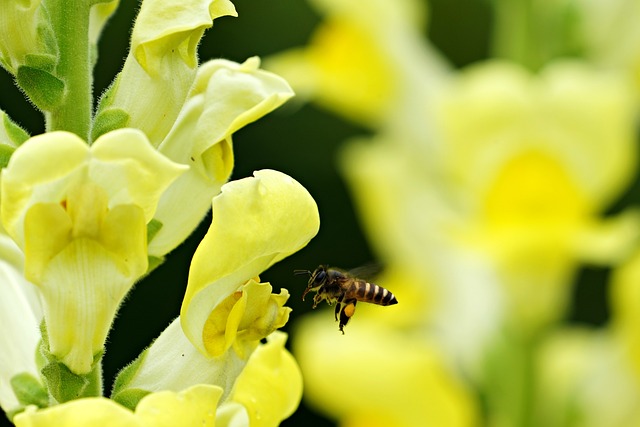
point(625, 305)
point(482, 226)
point(533, 162)
point(520, 173)
point(585, 379)
point(377, 375)
point(362, 63)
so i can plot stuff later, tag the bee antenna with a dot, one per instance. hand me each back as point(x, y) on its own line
point(298, 272)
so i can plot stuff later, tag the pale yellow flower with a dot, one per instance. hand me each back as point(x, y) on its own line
point(79, 213)
point(161, 66)
point(225, 97)
point(20, 317)
point(256, 222)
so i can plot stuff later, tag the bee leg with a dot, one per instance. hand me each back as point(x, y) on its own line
point(338, 310)
point(347, 310)
point(316, 300)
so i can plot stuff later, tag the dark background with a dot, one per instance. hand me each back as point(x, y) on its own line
point(301, 141)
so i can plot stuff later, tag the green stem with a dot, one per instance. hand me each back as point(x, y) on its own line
point(510, 387)
point(514, 32)
point(70, 20)
point(94, 388)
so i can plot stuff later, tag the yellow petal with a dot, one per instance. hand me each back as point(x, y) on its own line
point(162, 62)
point(131, 171)
point(93, 411)
point(80, 214)
point(270, 386)
point(164, 26)
point(195, 406)
point(83, 279)
point(250, 314)
point(225, 97)
point(20, 317)
point(82, 286)
point(100, 13)
point(256, 222)
point(31, 167)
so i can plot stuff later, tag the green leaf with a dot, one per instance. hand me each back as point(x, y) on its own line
point(152, 229)
point(63, 384)
point(154, 262)
point(16, 134)
point(29, 391)
point(44, 89)
point(42, 62)
point(130, 397)
point(108, 120)
point(5, 154)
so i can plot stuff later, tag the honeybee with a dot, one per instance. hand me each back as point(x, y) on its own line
point(338, 286)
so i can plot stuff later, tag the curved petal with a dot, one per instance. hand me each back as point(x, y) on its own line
point(270, 386)
point(225, 97)
point(193, 406)
point(256, 222)
point(162, 63)
point(30, 178)
point(94, 411)
point(166, 26)
point(131, 171)
point(249, 315)
point(100, 14)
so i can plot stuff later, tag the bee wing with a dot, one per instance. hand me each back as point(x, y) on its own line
point(366, 272)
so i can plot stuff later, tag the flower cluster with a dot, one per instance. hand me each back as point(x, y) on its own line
point(98, 201)
point(484, 190)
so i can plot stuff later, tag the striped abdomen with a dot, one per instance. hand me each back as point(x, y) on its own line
point(372, 293)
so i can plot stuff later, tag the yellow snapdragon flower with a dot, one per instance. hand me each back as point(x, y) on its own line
point(256, 222)
point(79, 213)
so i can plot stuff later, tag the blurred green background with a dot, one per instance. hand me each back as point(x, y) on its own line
point(300, 140)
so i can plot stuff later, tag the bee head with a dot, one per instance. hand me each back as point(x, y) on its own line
point(317, 278)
